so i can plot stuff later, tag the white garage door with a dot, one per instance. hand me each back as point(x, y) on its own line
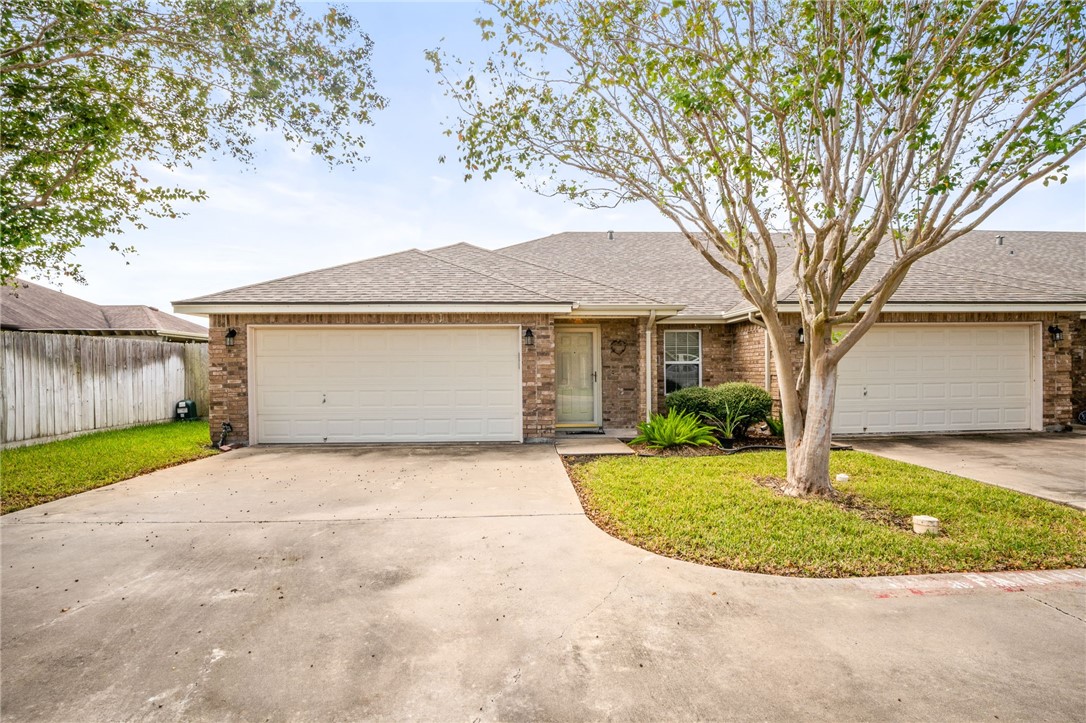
point(936, 379)
point(425, 384)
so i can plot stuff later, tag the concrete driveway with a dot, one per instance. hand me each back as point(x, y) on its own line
point(1052, 466)
point(464, 583)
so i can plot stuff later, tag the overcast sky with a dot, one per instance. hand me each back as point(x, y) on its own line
point(290, 213)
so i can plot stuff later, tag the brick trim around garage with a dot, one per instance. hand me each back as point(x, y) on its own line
point(228, 366)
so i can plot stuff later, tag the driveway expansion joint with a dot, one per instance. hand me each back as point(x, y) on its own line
point(1057, 609)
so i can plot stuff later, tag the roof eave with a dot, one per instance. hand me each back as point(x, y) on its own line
point(620, 310)
point(207, 308)
point(182, 335)
point(936, 307)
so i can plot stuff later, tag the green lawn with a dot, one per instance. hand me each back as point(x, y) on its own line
point(33, 475)
point(709, 510)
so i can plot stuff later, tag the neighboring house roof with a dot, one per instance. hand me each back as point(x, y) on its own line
point(30, 307)
point(663, 271)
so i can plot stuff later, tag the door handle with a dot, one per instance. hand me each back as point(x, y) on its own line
point(594, 377)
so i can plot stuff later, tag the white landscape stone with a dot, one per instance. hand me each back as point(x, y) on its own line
point(925, 525)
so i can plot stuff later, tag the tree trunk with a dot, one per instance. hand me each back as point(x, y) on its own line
point(809, 446)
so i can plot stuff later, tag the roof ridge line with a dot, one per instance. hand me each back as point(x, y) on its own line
point(572, 276)
point(488, 276)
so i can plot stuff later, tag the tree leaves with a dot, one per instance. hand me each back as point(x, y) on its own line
point(92, 89)
point(793, 142)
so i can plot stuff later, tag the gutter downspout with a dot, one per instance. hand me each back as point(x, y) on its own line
point(649, 363)
point(765, 353)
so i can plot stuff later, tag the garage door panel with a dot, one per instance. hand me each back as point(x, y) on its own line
point(930, 363)
point(398, 399)
point(906, 364)
point(846, 391)
point(275, 399)
point(960, 363)
point(907, 418)
point(335, 344)
point(1017, 418)
point(953, 378)
point(909, 391)
point(306, 341)
point(962, 417)
point(1015, 390)
point(437, 427)
point(908, 339)
point(933, 390)
point(266, 344)
point(391, 384)
point(879, 364)
point(1015, 363)
point(341, 399)
point(933, 419)
point(961, 390)
point(877, 392)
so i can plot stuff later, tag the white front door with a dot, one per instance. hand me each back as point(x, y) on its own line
point(391, 384)
point(577, 376)
point(937, 378)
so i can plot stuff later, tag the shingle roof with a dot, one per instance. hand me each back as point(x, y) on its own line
point(120, 316)
point(31, 307)
point(1030, 267)
point(660, 265)
point(539, 278)
point(663, 268)
point(405, 277)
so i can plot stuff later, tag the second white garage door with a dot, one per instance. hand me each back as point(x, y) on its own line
point(396, 384)
point(929, 378)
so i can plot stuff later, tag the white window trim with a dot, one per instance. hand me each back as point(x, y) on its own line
point(701, 354)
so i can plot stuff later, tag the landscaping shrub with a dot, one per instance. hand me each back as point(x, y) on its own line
point(730, 426)
point(776, 426)
point(674, 430)
point(730, 400)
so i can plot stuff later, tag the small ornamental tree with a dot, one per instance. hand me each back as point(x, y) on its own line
point(858, 127)
point(95, 91)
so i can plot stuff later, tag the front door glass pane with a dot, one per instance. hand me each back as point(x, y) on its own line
point(576, 390)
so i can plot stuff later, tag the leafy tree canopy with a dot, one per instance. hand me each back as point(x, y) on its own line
point(94, 91)
point(822, 145)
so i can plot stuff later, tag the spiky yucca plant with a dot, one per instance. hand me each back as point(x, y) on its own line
point(674, 430)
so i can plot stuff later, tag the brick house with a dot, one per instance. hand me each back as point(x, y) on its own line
point(589, 331)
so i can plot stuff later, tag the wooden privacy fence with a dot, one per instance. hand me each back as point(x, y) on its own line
point(60, 385)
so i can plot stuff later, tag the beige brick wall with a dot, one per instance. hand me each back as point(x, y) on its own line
point(1057, 381)
point(733, 352)
point(228, 366)
point(717, 355)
